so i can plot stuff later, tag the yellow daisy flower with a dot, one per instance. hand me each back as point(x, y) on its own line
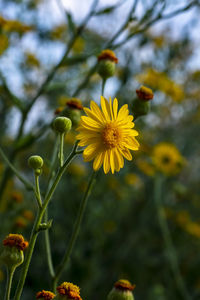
point(108, 135)
point(167, 159)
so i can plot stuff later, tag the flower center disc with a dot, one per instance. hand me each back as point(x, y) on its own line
point(111, 135)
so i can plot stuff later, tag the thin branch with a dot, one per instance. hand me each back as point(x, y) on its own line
point(19, 176)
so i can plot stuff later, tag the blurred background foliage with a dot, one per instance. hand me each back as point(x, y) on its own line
point(48, 56)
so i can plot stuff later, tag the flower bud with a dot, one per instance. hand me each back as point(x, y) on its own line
point(140, 108)
point(12, 255)
point(73, 110)
point(68, 291)
point(106, 63)
point(141, 105)
point(45, 295)
point(144, 93)
point(62, 124)
point(122, 290)
point(35, 162)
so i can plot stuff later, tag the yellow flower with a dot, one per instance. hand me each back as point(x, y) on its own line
point(108, 135)
point(133, 179)
point(193, 228)
point(160, 81)
point(167, 159)
point(146, 167)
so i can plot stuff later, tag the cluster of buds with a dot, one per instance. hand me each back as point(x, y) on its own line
point(65, 291)
point(141, 104)
point(13, 250)
point(106, 63)
point(122, 290)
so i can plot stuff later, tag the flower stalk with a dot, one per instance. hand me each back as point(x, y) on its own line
point(10, 273)
point(171, 252)
point(75, 232)
point(37, 223)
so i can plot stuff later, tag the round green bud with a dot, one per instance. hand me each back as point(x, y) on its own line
point(106, 68)
point(12, 257)
point(35, 162)
point(38, 172)
point(62, 124)
point(73, 114)
point(140, 108)
point(116, 294)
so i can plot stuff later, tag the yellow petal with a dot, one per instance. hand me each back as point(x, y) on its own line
point(112, 162)
point(96, 110)
point(115, 108)
point(89, 121)
point(98, 161)
point(123, 112)
point(92, 115)
point(126, 153)
point(106, 163)
point(132, 144)
point(105, 108)
point(111, 110)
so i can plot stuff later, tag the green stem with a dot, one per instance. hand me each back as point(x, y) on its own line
point(103, 86)
point(60, 154)
point(75, 232)
point(37, 191)
point(37, 223)
point(27, 184)
point(10, 273)
point(48, 247)
point(46, 232)
point(172, 257)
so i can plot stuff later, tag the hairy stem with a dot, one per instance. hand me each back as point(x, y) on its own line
point(75, 232)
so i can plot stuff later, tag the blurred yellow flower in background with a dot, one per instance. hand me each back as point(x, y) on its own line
point(160, 81)
point(133, 179)
point(108, 135)
point(146, 167)
point(79, 45)
point(167, 159)
point(31, 60)
point(193, 228)
point(4, 43)
point(1, 275)
point(77, 169)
